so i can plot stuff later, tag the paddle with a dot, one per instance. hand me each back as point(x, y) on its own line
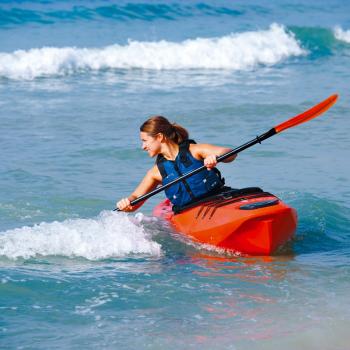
point(294, 121)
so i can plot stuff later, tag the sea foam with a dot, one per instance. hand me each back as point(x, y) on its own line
point(342, 35)
point(108, 236)
point(237, 51)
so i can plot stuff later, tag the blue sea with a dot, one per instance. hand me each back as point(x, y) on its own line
point(77, 78)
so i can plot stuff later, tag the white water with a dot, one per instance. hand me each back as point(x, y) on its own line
point(342, 35)
point(237, 51)
point(109, 235)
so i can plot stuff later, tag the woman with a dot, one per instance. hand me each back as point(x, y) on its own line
point(176, 155)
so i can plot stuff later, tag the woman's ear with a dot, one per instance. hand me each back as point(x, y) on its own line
point(160, 137)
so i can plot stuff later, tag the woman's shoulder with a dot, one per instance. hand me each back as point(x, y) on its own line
point(154, 173)
point(197, 149)
point(195, 146)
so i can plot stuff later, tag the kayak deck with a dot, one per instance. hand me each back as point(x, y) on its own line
point(248, 221)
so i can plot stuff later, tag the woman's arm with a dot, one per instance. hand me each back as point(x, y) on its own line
point(149, 183)
point(208, 154)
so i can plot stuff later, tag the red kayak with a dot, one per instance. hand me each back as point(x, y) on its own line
point(249, 221)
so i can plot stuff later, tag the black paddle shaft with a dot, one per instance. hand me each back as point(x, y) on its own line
point(241, 148)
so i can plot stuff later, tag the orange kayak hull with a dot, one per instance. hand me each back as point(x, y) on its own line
point(254, 224)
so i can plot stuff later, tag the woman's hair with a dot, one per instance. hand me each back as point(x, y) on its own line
point(158, 124)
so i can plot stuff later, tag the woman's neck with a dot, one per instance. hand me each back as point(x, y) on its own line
point(170, 150)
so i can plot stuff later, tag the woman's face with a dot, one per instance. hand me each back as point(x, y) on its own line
point(151, 144)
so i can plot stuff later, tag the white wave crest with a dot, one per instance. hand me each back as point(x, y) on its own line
point(237, 51)
point(110, 235)
point(342, 35)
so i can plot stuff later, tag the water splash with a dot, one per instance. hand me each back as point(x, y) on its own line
point(109, 235)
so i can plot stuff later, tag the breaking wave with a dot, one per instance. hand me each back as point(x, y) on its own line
point(237, 51)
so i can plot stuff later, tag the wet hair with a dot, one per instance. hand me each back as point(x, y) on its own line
point(159, 124)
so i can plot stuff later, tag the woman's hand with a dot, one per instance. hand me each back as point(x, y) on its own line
point(124, 205)
point(210, 161)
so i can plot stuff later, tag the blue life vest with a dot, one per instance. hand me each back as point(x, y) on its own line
point(195, 187)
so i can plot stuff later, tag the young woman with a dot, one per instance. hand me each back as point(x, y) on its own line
point(176, 155)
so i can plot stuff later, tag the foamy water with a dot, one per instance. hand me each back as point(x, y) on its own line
point(237, 51)
point(341, 34)
point(110, 235)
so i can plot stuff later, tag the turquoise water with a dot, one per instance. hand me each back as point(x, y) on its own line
point(76, 81)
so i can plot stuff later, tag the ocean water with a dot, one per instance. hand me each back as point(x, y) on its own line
point(77, 79)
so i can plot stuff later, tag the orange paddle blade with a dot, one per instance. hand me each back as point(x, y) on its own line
point(308, 115)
